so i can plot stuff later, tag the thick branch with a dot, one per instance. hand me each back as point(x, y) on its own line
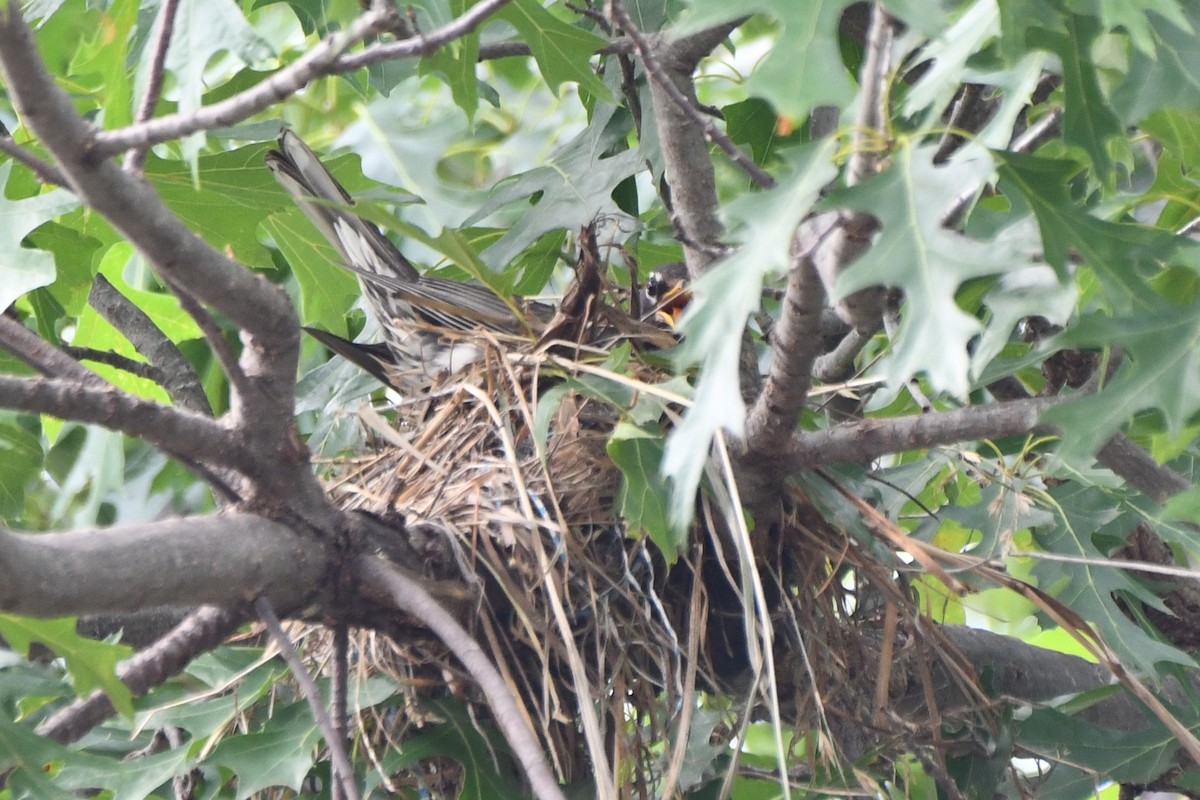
point(409, 596)
point(868, 439)
point(221, 560)
point(795, 344)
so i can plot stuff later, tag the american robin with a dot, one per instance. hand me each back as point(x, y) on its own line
point(667, 292)
point(418, 314)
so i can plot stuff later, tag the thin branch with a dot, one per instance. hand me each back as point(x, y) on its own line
point(327, 58)
point(175, 372)
point(179, 432)
point(216, 340)
point(132, 206)
point(868, 439)
point(343, 773)
point(43, 356)
point(337, 690)
point(136, 158)
point(46, 172)
point(1045, 128)
point(140, 369)
point(408, 595)
point(201, 631)
point(661, 76)
point(838, 363)
point(852, 236)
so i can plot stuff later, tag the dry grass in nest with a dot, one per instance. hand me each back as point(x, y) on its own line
point(579, 614)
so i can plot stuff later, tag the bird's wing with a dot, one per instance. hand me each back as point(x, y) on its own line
point(362, 245)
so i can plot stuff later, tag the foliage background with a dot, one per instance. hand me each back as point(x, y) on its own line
point(493, 166)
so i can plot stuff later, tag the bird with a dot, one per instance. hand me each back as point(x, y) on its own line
point(668, 293)
point(422, 317)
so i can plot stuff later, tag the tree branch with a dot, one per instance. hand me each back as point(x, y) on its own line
point(795, 345)
point(863, 309)
point(201, 631)
point(868, 439)
point(666, 83)
point(343, 773)
point(47, 173)
point(220, 559)
point(179, 432)
point(175, 372)
point(327, 58)
point(409, 596)
point(136, 158)
point(43, 356)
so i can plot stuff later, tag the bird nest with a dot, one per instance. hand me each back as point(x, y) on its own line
point(507, 490)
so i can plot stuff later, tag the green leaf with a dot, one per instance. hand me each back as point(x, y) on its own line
point(1135, 18)
point(127, 779)
point(917, 254)
point(21, 458)
point(562, 51)
point(1092, 589)
point(573, 187)
point(91, 664)
point(326, 290)
point(234, 193)
point(458, 735)
point(280, 757)
point(1088, 120)
point(1125, 756)
point(724, 299)
point(29, 756)
point(1161, 371)
point(643, 495)
point(1121, 254)
point(456, 62)
point(804, 69)
point(1167, 78)
point(23, 269)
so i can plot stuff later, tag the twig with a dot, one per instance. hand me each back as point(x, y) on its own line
point(327, 58)
point(140, 369)
point(135, 159)
point(409, 596)
point(43, 356)
point(201, 631)
point(343, 773)
point(46, 172)
point(852, 236)
point(656, 72)
point(175, 372)
point(337, 693)
point(215, 337)
point(1033, 136)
